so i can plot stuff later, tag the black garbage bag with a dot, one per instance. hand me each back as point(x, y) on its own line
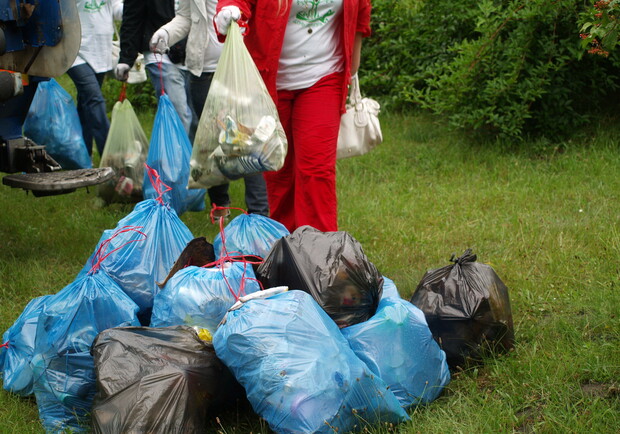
point(158, 380)
point(467, 309)
point(332, 267)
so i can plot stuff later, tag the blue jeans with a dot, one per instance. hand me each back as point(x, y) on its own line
point(255, 187)
point(91, 106)
point(176, 86)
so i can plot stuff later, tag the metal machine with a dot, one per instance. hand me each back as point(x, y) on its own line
point(39, 39)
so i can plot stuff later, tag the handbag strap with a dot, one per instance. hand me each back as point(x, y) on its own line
point(355, 95)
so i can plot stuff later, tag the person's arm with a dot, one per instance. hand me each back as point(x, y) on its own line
point(357, 54)
point(117, 9)
point(178, 27)
point(132, 27)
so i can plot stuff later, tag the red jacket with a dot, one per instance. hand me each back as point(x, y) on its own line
point(266, 34)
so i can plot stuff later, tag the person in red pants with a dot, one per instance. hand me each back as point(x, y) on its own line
point(306, 53)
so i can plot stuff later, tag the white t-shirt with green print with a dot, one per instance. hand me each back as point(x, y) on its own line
point(312, 45)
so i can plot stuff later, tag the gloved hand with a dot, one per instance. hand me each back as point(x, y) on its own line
point(224, 17)
point(159, 42)
point(122, 71)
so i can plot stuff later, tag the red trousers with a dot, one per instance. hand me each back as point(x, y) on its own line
point(303, 192)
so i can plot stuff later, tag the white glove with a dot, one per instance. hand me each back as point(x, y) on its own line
point(224, 17)
point(122, 71)
point(159, 42)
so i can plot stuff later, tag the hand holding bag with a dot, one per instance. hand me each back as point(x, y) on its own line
point(137, 73)
point(360, 131)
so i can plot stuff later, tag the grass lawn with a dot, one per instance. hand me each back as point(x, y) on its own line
point(547, 221)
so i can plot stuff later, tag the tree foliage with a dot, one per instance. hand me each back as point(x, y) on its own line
point(508, 68)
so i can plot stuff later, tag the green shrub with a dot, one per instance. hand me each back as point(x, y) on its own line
point(141, 95)
point(509, 68)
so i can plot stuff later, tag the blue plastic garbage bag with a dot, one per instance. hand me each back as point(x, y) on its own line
point(298, 371)
point(63, 368)
point(249, 234)
point(398, 346)
point(15, 357)
point(53, 122)
point(200, 296)
point(389, 289)
point(149, 251)
point(169, 154)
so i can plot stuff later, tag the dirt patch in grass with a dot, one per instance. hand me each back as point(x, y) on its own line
point(600, 390)
point(529, 417)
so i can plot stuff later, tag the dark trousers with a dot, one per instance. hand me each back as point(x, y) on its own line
point(91, 105)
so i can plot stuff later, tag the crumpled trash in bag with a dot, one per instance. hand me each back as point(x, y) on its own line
point(297, 369)
point(158, 380)
point(125, 150)
point(398, 346)
point(330, 266)
point(15, 357)
point(467, 308)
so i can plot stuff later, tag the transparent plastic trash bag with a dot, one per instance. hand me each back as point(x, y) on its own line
point(239, 132)
point(125, 151)
point(298, 371)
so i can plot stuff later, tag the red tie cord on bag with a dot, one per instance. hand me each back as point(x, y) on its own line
point(160, 66)
point(98, 257)
point(237, 258)
point(227, 257)
point(5, 345)
point(123, 94)
point(157, 183)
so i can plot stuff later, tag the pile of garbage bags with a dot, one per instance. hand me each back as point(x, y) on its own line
point(161, 329)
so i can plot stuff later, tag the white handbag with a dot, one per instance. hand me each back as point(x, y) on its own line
point(360, 131)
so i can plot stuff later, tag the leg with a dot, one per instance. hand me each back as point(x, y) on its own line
point(256, 194)
point(315, 125)
point(281, 184)
point(91, 105)
point(200, 88)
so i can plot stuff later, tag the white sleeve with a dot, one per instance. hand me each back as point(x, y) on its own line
point(117, 9)
point(179, 26)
